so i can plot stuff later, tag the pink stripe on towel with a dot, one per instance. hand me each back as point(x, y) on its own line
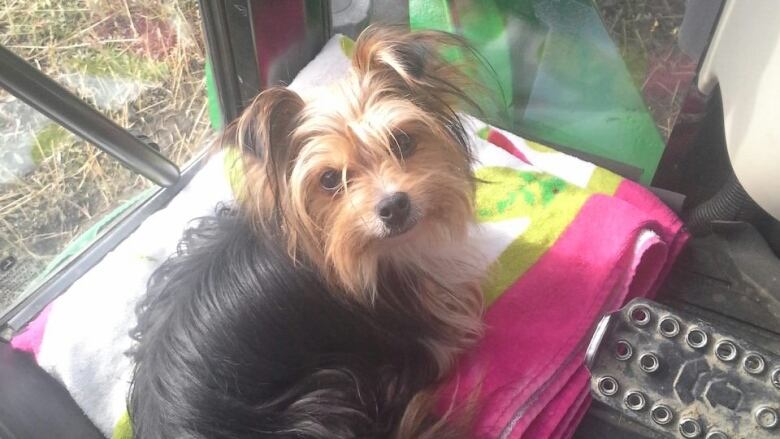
point(650, 256)
point(529, 366)
point(30, 340)
point(577, 412)
point(560, 411)
point(673, 231)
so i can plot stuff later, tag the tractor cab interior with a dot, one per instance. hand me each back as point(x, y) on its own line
point(676, 95)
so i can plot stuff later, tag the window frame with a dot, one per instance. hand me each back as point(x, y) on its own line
point(223, 31)
point(229, 29)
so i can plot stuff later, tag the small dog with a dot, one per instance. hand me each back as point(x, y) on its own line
point(342, 287)
point(372, 178)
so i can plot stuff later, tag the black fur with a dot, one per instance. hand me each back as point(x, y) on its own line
point(237, 341)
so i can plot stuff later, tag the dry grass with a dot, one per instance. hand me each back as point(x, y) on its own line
point(646, 32)
point(73, 185)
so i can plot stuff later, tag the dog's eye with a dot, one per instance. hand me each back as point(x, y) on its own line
point(330, 180)
point(404, 145)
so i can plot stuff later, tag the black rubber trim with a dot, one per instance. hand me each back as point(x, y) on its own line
point(242, 43)
point(44, 94)
point(216, 27)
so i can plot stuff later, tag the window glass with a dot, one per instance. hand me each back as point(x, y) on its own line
point(600, 79)
point(662, 66)
point(54, 186)
point(141, 63)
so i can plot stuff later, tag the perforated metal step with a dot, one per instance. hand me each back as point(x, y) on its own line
point(682, 376)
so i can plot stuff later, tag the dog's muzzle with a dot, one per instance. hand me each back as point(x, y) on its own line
point(395, 212)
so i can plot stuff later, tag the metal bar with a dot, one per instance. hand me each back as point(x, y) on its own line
point(220, 52)
point(242, 44)
point(26, 309)
point(253, 44)
point(45, 95)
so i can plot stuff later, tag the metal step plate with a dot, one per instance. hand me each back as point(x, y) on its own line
point(683, 377)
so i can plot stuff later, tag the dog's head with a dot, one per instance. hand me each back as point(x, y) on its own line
point(373, 169)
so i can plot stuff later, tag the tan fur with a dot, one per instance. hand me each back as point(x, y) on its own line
point(398, 83)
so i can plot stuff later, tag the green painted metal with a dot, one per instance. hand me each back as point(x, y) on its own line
point(215, 111)
point(561, 75)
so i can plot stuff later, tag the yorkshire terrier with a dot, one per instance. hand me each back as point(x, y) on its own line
point(330, 301)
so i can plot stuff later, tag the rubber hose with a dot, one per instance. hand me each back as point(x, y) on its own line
point(730, 203)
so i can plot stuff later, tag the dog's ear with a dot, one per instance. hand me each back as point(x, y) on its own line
point(263, 129)
point(262, 137)
point(381, 50)
point(422, 63)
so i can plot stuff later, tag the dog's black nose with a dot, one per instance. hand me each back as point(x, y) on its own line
point(394, 209)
